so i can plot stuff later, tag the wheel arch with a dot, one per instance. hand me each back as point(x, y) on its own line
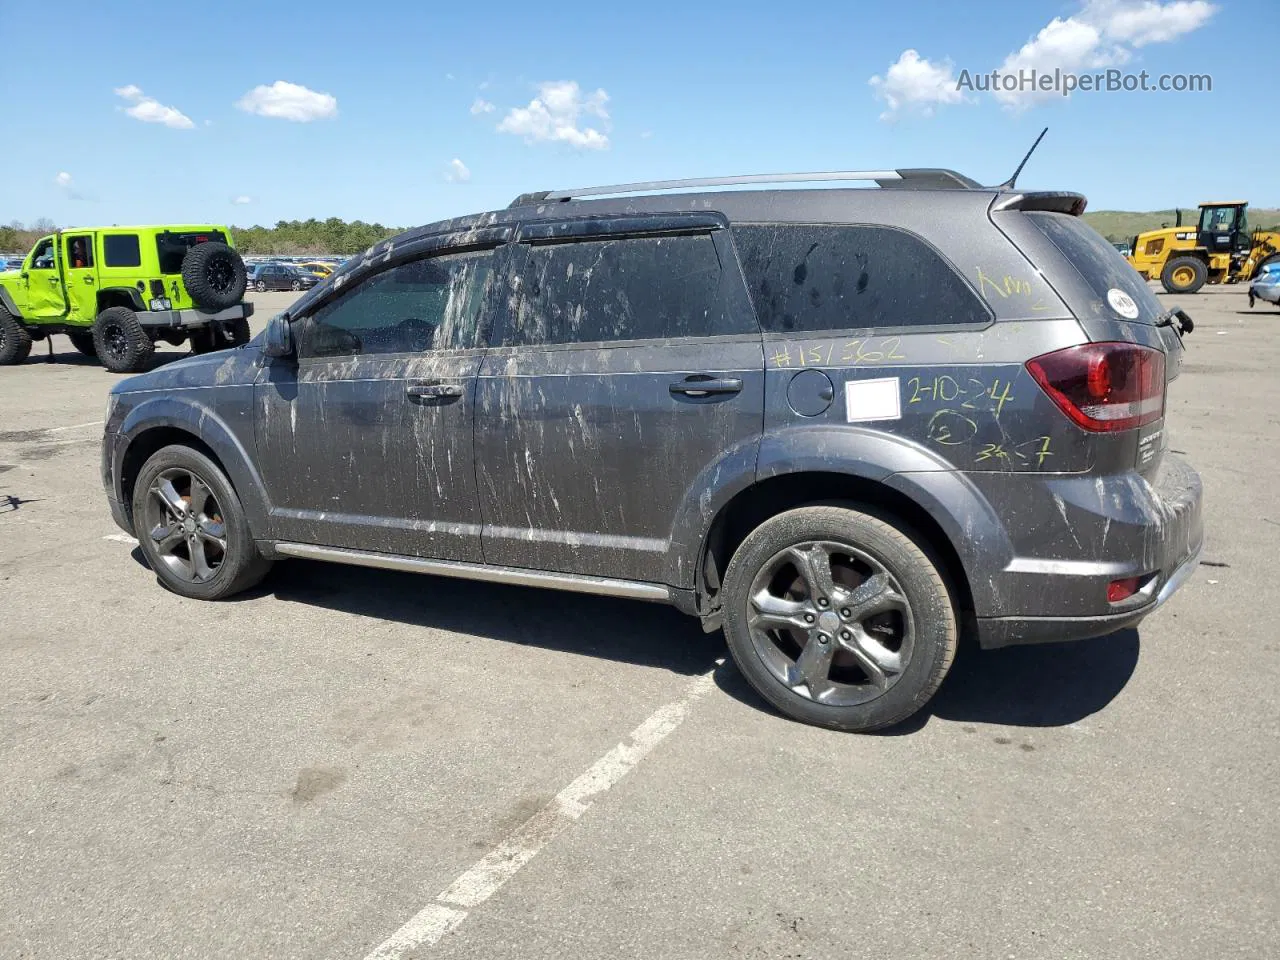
point(164, 421)
point(120, 297)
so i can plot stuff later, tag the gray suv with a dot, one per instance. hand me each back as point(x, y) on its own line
point(843, 424)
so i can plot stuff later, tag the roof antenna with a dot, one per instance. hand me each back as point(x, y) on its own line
point(1008, 184)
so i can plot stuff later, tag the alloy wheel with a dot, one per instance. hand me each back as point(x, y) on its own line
point(115, 340)
point(830, 622)
point(185, 524)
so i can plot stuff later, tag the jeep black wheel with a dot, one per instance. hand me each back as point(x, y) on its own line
point(15, 341)
point(214, 275)
point(83, 342)
point(192, 528)
point(121, 342)
point(838, 618)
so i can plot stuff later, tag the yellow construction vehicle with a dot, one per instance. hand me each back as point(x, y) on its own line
point(1219, 249)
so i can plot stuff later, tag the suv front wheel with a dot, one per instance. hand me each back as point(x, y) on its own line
point(15, 342)
point(192, 528)
point(838, 618)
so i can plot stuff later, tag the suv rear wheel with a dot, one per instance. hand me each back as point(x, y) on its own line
point(120, 340)
point(838, 618)
point(15, 342)
point(192, 528)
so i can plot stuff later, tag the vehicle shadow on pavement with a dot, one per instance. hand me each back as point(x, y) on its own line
point(1044, 685)
point(629, 631)
point(74, 358)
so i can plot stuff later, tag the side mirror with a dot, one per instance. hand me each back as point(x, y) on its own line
point(278, 339)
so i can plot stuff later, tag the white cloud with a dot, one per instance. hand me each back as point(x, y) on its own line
point(63, 179)
point(556, 115)
point(449, 76)
point(457, 172)
point(289, 101)
point(480, 105)
point(149, 110)
point(1152, 22)
point(241, 200)
point(914, 83)
point(1103, 33)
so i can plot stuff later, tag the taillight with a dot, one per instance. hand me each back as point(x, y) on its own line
point(1104, 387)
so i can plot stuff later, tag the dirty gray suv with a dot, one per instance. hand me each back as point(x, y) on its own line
point(844, 424)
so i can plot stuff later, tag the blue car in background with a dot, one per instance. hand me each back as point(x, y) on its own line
point(1266, 285)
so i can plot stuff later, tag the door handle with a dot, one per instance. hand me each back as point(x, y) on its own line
point(52, 279)
point(434, 391)
point(706, 386)
point(88, 279)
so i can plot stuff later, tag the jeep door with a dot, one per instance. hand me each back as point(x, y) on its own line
point(628, 365)
point(45, 300)
point(365, 441)
point(81, 277)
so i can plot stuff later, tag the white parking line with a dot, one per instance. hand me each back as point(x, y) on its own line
point(482, 880)
point(74, 426)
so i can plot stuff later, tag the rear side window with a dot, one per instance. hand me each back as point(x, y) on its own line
point(121, 250)
point(634, 288)
point(808, 277)
point(1099, 264)
point(173, 247)
point(423, 305)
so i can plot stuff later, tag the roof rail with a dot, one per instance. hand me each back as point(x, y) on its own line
point(917, 178)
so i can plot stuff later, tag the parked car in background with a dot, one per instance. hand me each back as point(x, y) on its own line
point(841, 424)
point(321, 270)
point(1266, 285)
point(281, 276)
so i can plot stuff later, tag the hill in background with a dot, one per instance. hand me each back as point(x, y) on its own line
point(1122, 225)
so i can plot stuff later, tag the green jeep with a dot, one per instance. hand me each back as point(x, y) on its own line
point(115, 291)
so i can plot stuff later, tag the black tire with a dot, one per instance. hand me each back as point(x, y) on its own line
point(15, 341)
point(918, 616)
point(1184, 275)
point(295, 286)
point(84, 342)
point(232, 568)
point(121, 342)
point(235, 333)
point(1251, 299)
point(261, 286)
point(214, 275)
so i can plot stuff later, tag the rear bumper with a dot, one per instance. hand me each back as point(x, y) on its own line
point(1125, 527)
point(193, 317)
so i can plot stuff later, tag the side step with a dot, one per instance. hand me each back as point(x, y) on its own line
point(577, 583)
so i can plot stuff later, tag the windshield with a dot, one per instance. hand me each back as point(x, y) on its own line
point(1099, 264)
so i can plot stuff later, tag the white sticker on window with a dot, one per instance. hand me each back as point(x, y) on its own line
point(872, 400)
point(1122, 304)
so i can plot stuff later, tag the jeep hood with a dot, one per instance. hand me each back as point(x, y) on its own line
point(223, 368)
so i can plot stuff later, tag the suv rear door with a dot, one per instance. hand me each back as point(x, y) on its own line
point(627, 365)
point(366, 442)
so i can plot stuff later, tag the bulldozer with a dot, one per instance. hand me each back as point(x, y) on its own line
point(1218, 249)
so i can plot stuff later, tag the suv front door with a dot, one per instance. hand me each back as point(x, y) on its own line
point(365, 442)
point(630, 366)
point(45, 300)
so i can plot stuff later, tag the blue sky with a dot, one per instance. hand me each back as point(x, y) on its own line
point(163, 112)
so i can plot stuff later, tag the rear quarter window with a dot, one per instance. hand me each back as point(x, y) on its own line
point(810, 277)
point(121, 250)
point(173, 247)
point(1098, 263)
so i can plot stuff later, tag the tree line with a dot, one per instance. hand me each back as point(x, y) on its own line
point(287, 237)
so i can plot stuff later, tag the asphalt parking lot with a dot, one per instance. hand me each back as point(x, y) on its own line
point(345, 757)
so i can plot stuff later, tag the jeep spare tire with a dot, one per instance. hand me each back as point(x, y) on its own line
point(214, 275)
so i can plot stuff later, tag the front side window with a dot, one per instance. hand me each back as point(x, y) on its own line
point(634, 288)
point(810, 277)
point(42, 256)
point(434, 304)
